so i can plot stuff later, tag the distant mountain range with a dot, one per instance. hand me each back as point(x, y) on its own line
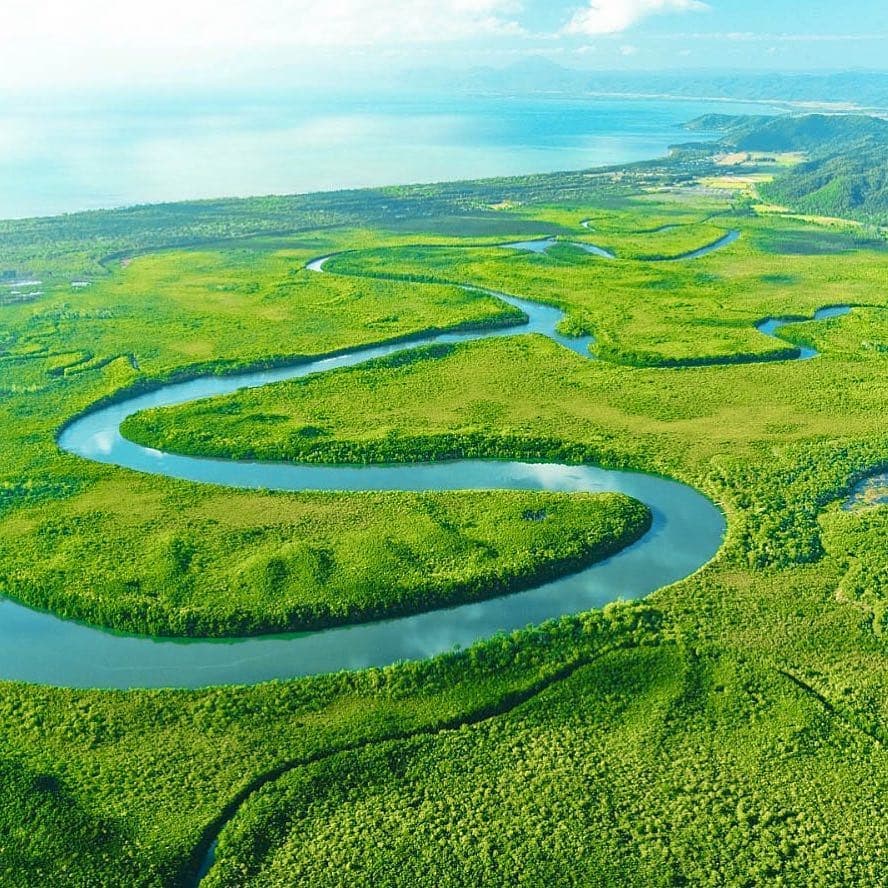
point(538, 75)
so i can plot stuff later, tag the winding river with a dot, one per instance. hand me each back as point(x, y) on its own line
point(39, 647)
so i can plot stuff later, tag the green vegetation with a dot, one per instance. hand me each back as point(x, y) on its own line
point(543, 795)
point(124, 788)
point(242, 563)
point(844, 173)
point(728, 731)
point(857, 540)
point(204, 312)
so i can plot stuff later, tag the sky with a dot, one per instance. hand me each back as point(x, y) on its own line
point(60, 44)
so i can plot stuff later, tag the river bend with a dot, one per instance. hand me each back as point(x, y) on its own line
point(39, 647)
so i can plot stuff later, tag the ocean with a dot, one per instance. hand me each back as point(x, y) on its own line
point(59, 156)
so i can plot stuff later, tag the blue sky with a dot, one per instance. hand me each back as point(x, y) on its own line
point(764, 34)
point(57, 43)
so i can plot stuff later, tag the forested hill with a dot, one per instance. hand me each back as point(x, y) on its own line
point(846, 168)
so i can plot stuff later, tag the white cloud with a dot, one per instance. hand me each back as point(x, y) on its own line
point(246, 23)
point(628, 50)
point(614, 16)
point(804, 38)
point(47, 41)
point(765, 37)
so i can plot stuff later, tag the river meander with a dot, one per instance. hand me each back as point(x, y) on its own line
point(686, 533)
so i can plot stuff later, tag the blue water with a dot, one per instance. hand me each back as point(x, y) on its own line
point(686, 532)
point(66, 155)
point(543, 245)
point(770, 326)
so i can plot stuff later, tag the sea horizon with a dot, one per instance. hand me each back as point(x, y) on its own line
point(119, 153)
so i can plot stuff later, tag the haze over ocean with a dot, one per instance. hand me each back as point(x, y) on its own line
point(120, 151)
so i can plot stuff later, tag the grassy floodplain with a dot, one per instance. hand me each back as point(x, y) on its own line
point(729, 730)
